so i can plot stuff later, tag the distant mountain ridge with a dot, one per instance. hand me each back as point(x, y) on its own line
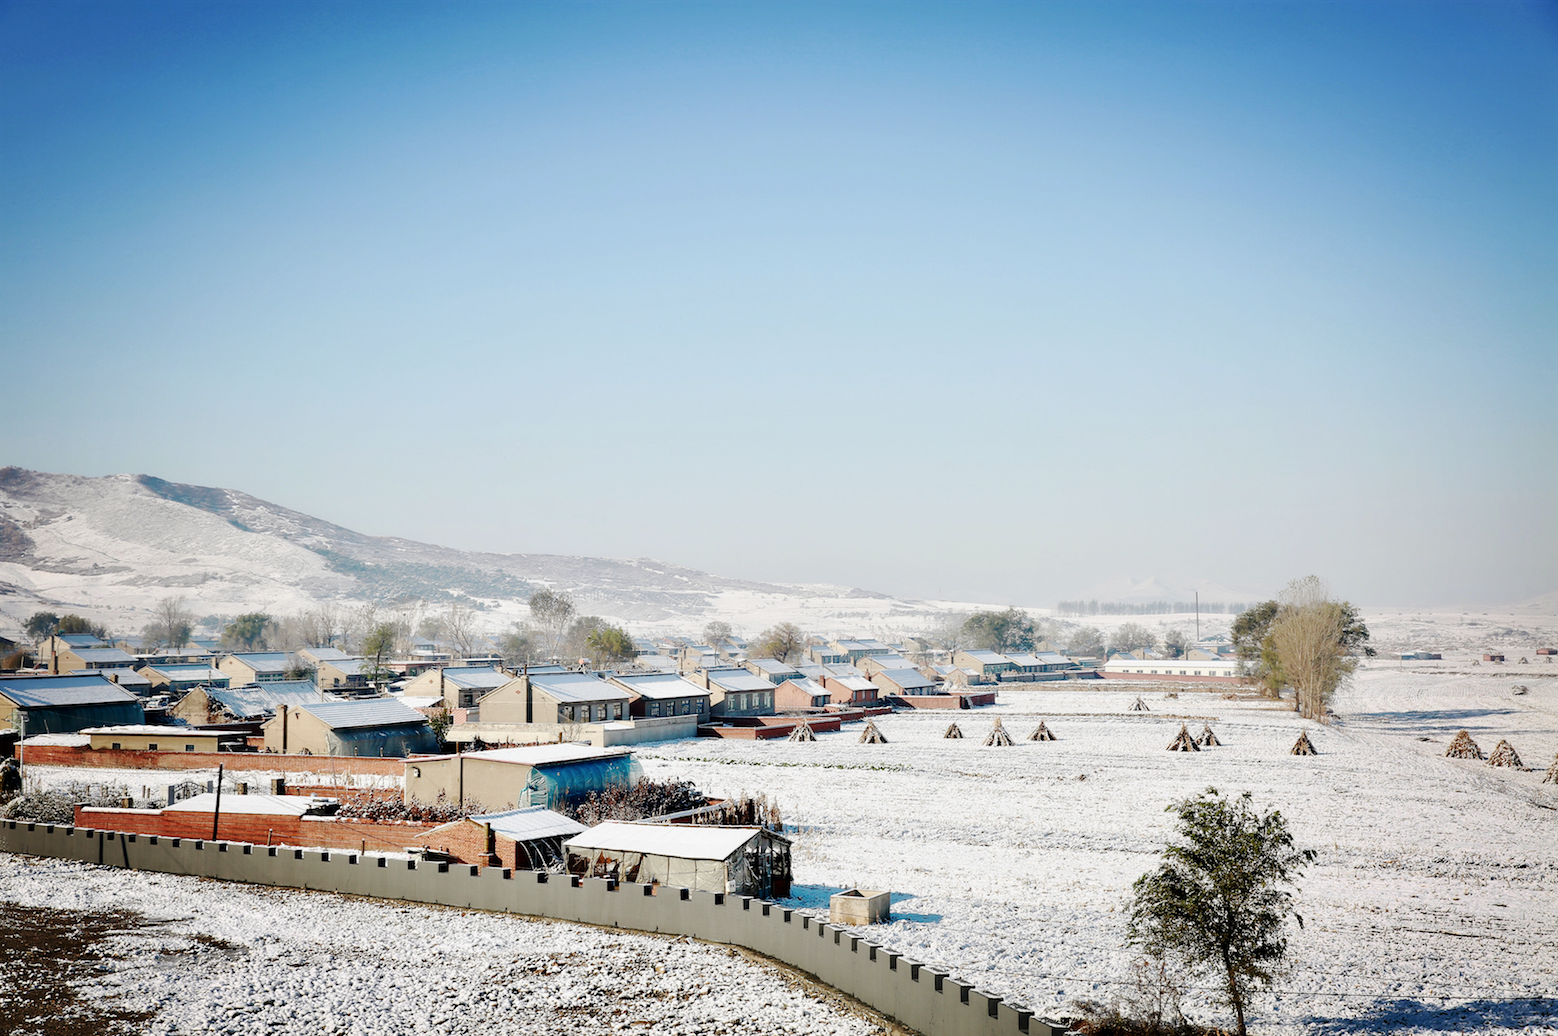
point(121, 542)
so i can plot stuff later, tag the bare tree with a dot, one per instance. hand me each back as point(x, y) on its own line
point(1131, 636)
point(460, 626)
point(356, 626)
point(781, 642)
point(171, 623)
point(552, 610)
point(1308, 636)
point(717, 631)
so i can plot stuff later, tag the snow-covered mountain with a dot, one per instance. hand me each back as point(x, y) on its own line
point(112, 547)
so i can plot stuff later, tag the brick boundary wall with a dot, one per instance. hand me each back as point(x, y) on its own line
point(136, 759)
point(923, 998)
point(260, 828)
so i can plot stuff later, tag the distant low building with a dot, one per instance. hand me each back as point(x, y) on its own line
point(554, 698)
point(664, 694)
point(800, 693)
point(735, 692)
point(988, 665)
point(905, 682)
point(179, 678)
point(147, 738)
point(850, 690)
point(66, 704)
point(257, 667)
point(369, 727)
point(770, 669)
point(520, 839)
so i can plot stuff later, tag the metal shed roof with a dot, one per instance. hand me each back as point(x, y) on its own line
point(683, 841)
point(522, 825)
point(738, 680)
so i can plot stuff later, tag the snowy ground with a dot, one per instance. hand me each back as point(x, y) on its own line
point(1431, 906)
point(215, 958)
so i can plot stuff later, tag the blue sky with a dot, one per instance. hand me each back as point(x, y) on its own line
point(998, 302)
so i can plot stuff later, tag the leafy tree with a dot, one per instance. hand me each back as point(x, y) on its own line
point(782, 642)
point(551, 610)
point(1175, 643)
point(247, 631)
point(1131, 636)
point(1258, 661)
point(41, 626)
point(609, 644)
point(717, 631)
point(69, 624)
point(1309, 637)
point(378, 647)
point(1355, 635)
point(1086, 642)
point(576, 643)
point(1010, 630)
point(1218, 900)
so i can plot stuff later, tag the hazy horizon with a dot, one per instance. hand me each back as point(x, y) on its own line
point(984, 302)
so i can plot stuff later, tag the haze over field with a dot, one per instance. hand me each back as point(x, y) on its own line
point(980, 302)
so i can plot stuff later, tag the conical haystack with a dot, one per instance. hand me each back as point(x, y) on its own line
point(1207, 738)
point(1551, 776)
point(998, 736)
point(1504, 754)
point(803, 732)
point(1463, 747)
point(953, 731)
point(871, 735)
point(1041, 733)
point(1183, 742)
point(1139, 706)
point(1303, 746)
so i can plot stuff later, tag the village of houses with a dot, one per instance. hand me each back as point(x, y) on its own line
point(502, 747)
point(682, 769)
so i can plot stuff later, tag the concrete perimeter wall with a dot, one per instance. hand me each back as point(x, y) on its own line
point(916, 995)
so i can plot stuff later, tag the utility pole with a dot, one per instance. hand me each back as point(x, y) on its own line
point(216, 813)
point(1198, 616)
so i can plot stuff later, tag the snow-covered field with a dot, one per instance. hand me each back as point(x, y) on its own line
point(1431, 907)
point(215, 958)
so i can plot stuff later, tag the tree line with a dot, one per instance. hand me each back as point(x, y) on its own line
point(1081, 608)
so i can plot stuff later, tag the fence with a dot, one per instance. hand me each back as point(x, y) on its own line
point(914, 994)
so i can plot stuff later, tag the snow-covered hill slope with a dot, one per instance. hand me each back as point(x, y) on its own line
point(112, 547)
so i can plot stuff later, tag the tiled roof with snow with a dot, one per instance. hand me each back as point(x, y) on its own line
point(368, 712)
point(577, 687)
point(42, 692)
point(659, 685)
point(258, 699)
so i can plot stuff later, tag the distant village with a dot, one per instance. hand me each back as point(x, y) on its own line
point(497, 757)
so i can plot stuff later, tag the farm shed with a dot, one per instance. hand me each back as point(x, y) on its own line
point(64, 704)
point(522, 839)
point(540, 775)
point(745, 861)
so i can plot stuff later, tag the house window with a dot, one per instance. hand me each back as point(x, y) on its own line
point(152, 747)
point(115, 745)
point(189, 748)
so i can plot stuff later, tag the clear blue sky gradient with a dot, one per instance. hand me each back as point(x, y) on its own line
point(995, 302)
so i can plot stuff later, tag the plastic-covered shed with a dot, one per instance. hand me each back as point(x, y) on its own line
point(747, 861)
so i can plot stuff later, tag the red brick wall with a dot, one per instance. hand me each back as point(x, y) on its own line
point(129, 759)
point(261, 829)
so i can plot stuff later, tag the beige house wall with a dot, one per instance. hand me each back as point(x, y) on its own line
point(295, 731)
point(238, 672)
point(177, 739)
